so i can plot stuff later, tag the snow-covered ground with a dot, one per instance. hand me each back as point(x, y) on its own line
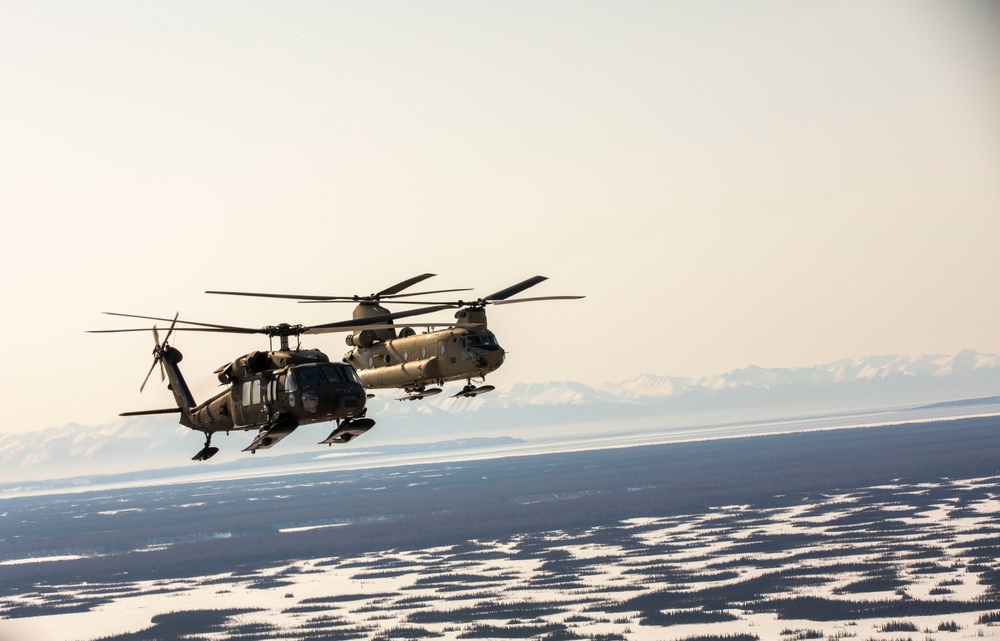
point(924, 541)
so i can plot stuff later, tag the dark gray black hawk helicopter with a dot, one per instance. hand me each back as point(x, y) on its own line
point(273, 392)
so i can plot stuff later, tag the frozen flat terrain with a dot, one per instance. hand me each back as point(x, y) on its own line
point(880, 533)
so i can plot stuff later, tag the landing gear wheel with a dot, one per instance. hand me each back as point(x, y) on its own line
point(206, 452)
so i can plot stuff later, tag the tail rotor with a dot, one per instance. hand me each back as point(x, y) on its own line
point(158, 353)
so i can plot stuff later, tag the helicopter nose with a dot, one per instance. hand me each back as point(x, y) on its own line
point(349, 403)
point(490, 358)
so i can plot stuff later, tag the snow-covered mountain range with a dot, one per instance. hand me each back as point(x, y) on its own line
point(965, 365)
point(527, 409)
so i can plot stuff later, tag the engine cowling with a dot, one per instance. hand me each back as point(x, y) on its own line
point(364, 338)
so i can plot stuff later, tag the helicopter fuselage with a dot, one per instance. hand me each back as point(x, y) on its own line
point(412, 360)
point(309, 389)
point(294, 395)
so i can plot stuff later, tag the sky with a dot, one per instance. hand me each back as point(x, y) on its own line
point(773, 183)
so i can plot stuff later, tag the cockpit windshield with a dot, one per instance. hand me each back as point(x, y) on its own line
point(480, 340)
point(306, 376)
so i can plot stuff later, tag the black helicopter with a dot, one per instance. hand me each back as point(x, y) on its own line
point(273, 392)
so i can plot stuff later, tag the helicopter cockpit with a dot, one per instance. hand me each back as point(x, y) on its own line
point(311, 375)
point(484, 341)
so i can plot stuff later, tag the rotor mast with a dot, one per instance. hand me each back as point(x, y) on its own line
point(282, 331)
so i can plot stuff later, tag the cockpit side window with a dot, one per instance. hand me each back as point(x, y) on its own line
point(334, 374)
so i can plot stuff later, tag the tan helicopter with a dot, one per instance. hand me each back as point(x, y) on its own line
point(410, 361)
point(273, 392)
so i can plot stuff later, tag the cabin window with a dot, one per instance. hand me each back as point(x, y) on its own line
point(406, 355)
point(245, 390)
point(255, 391)
point(423, 352)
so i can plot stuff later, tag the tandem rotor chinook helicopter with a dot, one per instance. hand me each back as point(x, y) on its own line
point(273, 392)
point(384, 358)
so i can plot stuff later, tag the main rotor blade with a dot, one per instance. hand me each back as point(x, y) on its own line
point(515, 289)
point(229, 330)
point(175, 320)
point(528, 300)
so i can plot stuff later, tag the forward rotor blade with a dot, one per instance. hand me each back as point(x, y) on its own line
point(354, 328)
point(398, 287)
point(515, 289)
point(393, 300)
point(288, 296)
point(527, 300)
point(374, 320)
point(312, 298)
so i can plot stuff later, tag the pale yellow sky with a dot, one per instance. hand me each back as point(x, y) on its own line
point(773, 183)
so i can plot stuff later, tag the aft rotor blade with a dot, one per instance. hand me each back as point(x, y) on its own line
point(527, 300)
point(437, 291)
point(515, 289)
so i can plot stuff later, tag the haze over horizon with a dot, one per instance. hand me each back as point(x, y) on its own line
point(779, 184)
